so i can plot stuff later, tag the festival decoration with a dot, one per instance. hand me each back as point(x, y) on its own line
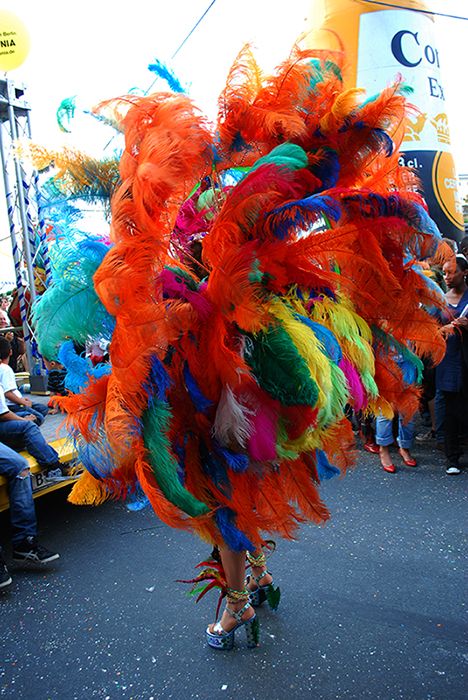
point(261, 275)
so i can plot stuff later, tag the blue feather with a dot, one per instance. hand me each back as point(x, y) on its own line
point(236, 462)
point(300, 214)
point(158, 382)
point(162, 71)
point(236, 540)
point(216, 471)
point(327, 169)
point(325, 336)
point(201, 403)
point(239, 144)
point(138, 500)
point(97, 457)
point(324, 469)
point(78, 368)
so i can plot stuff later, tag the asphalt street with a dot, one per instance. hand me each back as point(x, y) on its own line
point(373, 603)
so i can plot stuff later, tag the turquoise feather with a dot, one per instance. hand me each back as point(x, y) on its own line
point(70, 308)
point(287, 155)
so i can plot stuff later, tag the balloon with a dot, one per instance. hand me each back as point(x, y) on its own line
point(14, 41)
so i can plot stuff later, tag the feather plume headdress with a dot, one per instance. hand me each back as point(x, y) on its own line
point(228, 381)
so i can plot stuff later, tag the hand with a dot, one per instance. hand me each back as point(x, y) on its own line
point(461, 322)
point(27, 402)
point(31, 419)
point(448, 328)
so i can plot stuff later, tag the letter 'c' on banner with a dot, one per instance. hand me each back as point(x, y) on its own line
point(383, 40)
point(14, 41)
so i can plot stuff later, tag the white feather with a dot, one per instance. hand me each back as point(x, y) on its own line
point(232, 420)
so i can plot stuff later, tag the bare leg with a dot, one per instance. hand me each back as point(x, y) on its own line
point(234, 568)
point(406, 454)
point(257, 571)
point(385, 458)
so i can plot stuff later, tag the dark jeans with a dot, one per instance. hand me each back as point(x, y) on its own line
point(455, 412)
point(22, 513)
point(39, 410)
point(22, 435)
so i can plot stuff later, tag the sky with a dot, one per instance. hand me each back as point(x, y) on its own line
point(98, 49)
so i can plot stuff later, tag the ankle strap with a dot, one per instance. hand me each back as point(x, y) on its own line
point(233, 596)
point(257, 578)
point(256, 561)
point(238, 615)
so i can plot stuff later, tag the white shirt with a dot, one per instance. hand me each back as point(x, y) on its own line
point(3, 407)
point(8, 382)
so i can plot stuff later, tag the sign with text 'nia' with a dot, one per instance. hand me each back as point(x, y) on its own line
point(14, 41)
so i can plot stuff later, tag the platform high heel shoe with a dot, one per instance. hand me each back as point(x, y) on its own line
point(267, 593)
point(218, 638)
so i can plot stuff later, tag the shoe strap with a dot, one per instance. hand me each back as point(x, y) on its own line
point(219, 630)
point(256, 561)
point(238, 615)
point(257, 578)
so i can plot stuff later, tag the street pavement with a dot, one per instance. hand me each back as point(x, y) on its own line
point(373, 603)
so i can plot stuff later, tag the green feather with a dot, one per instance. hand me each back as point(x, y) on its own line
point(280, 370)
point(336, 398)
point(156, 422)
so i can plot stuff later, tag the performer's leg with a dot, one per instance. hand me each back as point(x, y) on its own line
point(258, 567)
point(234, 569)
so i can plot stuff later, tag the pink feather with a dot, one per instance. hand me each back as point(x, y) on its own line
point(357, 392)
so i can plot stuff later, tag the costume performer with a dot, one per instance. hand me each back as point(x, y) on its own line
point(262, 276)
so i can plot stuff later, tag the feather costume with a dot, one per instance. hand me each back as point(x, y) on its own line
point(226, 396)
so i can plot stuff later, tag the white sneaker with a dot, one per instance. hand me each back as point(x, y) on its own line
point(452, 470)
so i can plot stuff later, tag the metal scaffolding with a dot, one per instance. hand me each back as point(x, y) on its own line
point(27, 228)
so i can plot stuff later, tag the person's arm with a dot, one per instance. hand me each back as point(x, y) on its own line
point(9, 415)
point(461, 322)
point(20, 400)
point(21, 346)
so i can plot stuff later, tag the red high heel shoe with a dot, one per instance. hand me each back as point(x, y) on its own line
point(388, 467)
point(409, 462)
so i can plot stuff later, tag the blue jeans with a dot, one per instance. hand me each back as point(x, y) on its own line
point(20, 434)
point(384, 432)
point(22, 513)
point(39, 410)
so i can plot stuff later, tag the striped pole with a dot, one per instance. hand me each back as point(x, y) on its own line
point(15, 250)
point(40, 217)
point(21, 202)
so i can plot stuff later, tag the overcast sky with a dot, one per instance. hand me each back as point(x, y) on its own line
point(97, 49)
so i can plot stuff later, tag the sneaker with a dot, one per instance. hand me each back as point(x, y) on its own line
point(55, 475)
point(5, 578)
point(453, 469)
point(30, 550)
point(428, 435)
